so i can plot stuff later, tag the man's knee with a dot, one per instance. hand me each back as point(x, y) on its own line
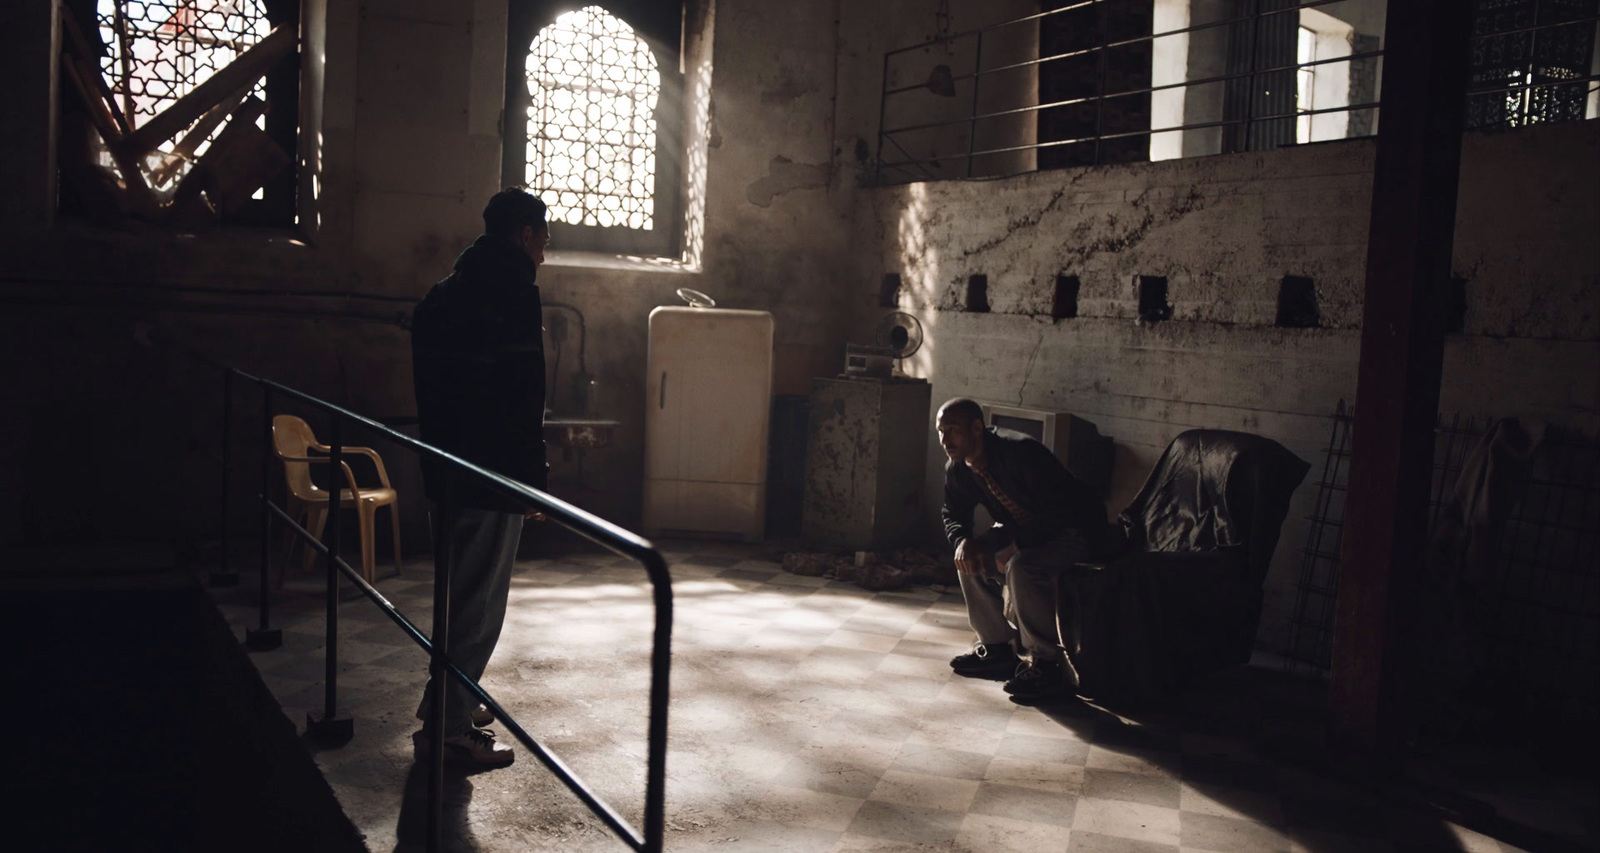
point(1029, 564)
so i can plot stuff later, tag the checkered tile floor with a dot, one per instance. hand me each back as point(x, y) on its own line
point(809, 716)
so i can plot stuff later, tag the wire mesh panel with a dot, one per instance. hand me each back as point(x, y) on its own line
point(1544, 632)
point(591, 121)
point(1541, 629)
point(1311, 626)
point(158, 51)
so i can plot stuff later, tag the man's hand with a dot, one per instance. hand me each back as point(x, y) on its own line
point(969, 559)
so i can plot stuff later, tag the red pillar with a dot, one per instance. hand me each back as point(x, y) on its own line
point(1409, 244)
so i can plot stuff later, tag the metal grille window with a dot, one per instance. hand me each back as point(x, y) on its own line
point(158, 51)
point(591, 129)
point(1533, 62)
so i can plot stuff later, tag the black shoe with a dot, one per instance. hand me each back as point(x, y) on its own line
point(1041, 683)
point(996, 662)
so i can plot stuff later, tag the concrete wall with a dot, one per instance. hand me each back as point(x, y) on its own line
point(1224, 231)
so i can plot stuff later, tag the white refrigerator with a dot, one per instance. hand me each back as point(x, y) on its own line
point(709, 398)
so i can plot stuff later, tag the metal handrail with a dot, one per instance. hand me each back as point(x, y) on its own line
point(887, 134)
point(591, 527)
point(1145, 90)
point(1222, 22)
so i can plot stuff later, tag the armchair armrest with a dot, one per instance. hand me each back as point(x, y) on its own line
point(349, 476)
point(377, 461)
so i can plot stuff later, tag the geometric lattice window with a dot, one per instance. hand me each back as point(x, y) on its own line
point(591, 154)
point(159, 50)
point(1531, 62)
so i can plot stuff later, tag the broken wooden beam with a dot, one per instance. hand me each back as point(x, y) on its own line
point(239, 161)
point(243, 71)
point(138, 196)
point(89, 69)
point(183, 152)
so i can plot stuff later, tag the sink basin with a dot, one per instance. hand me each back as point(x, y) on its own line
point(580, 433)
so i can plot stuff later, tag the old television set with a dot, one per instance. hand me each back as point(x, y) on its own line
point(1075, 441)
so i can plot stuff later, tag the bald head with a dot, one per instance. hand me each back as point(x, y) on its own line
point(960, 426)
point(962, 411)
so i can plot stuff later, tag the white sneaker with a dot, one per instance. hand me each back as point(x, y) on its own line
point(476, 748)
point(481, 717)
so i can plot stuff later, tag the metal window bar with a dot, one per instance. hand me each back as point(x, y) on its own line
point(1198, 81)
point(1223, 123)
point(1542, 626)
point(595, 529)
point(1254, 18)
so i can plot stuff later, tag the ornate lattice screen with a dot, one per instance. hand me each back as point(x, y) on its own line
point(591, 121)
point(157, 51)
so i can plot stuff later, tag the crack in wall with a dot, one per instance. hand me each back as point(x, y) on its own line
point(1116, 243)
point(1019, 224)
point(1027, 371)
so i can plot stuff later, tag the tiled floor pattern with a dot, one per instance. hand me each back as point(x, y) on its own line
point(807, 716)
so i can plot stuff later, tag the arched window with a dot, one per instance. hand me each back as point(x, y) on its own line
point(596, 129)
point(593, 87)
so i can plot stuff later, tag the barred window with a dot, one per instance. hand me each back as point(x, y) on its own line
point(158, 51)
point(591, 150)
point(154, 52)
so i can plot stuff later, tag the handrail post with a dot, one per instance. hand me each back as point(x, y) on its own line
point(972, 114)
point(438, 675)
point(262, 638)
point(222, 576)
point(660, 669)
point(331, 728)
point(1105, 70)
point(883, 111)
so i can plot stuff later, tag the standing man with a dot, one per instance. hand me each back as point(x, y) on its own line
point(478, 362)
point(1052, 518)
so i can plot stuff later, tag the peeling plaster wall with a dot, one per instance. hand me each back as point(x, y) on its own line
point(1224, 231)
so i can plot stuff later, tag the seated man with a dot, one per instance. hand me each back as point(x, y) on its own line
point(1053, 518)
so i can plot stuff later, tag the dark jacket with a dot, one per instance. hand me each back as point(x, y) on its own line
point(477, 358)
point(1036, 480)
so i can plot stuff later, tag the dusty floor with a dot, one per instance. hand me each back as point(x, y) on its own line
point(812, 716)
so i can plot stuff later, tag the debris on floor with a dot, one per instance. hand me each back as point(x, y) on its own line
point(876, 571)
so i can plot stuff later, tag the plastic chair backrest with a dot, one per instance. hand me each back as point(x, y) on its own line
point(292, 437)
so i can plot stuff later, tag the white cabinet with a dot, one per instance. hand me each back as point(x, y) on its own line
point(708, 399)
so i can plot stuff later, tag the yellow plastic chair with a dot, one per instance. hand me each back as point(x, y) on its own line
point(293, 442)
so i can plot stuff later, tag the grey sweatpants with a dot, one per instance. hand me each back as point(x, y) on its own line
point(482, 552)
point(1020, 608)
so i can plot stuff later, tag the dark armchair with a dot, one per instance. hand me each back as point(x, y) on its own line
point(1182, 597)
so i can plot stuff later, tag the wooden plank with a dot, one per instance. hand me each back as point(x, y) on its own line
point(1415, 177)
point(242, 71)
point(184, 150)
point(240, 160)
point(136, 191)
point(89, 69)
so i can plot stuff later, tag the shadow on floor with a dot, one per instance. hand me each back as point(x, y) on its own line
point(142, 725)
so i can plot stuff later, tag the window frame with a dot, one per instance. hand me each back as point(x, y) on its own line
point(662, 33)
point(279, 205)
